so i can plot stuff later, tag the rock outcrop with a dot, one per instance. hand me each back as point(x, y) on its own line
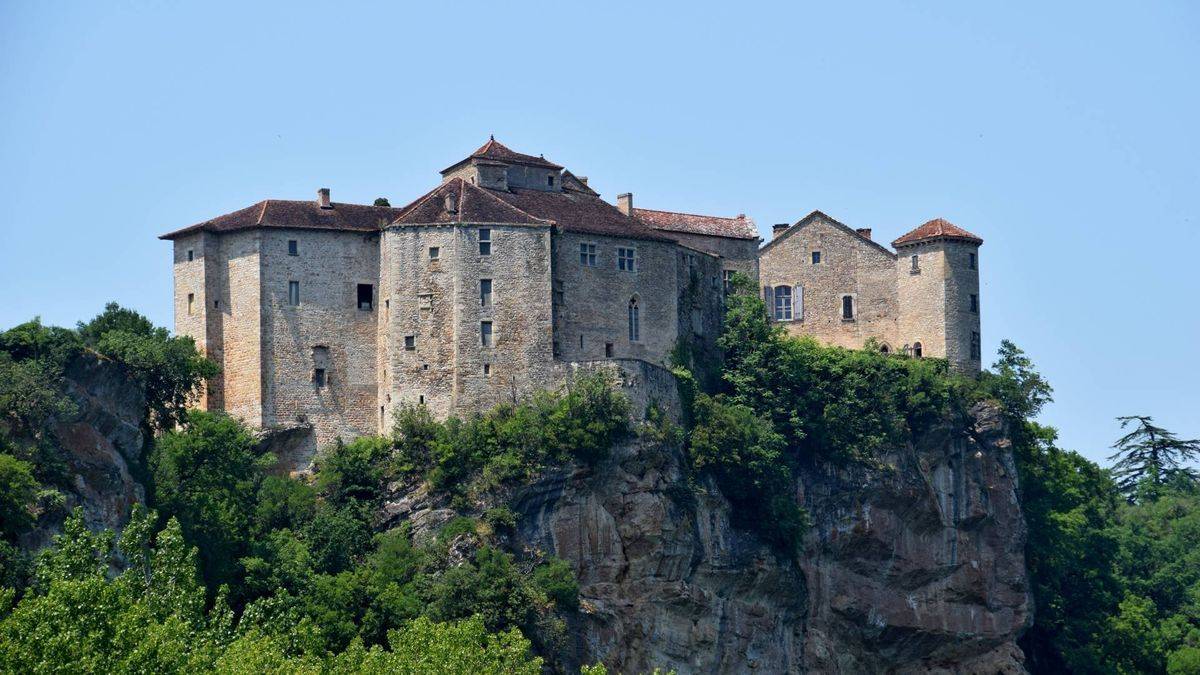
point(913, 566)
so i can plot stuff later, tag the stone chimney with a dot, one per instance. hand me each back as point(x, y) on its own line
point(323, 199)
point(625, 203)
point(778, 229)
point(864, 231)
point(451, 203)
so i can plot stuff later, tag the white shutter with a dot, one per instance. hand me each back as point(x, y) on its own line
point(769, 298)
point(798, 303)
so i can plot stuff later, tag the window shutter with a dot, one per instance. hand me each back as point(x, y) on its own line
point(798, 303)
point(769, 298)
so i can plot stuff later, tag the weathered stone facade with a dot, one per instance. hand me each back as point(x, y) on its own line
point(328, 316)
point(822, 278)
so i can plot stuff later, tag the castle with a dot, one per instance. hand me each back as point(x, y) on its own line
point(511, 272)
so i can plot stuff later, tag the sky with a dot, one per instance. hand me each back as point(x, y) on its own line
point(1067, 135)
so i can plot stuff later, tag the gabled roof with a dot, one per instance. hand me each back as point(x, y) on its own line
point(814, 217)
point(938, 228)
point(282, 213)
point(572, 182)
point(496, 151)
point(472, 204)
point(740, 227)
point(582, 212)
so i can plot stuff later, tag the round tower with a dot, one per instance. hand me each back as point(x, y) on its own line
point(937, 270)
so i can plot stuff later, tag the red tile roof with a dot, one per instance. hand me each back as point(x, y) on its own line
point(575, 211)
point(296, 214)
point(740, 227)
point(472, 204)
point(497, 151)
point(937, 228)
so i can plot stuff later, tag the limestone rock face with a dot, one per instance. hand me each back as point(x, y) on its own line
point(913, 566)
point(101, 445)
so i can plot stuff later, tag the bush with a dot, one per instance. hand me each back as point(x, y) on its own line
point(556, 579)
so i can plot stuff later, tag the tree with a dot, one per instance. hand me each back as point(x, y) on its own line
point(1149, 457)
point(17, 491)
point(382, 201)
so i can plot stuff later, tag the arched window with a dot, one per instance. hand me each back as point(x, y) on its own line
point(917, 350)
point(783, 303)
point(635, 328)
point(884, 349)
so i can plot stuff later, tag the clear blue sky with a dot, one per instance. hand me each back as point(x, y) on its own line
point(1066, 134)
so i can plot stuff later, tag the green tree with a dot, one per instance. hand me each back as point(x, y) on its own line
point(18, 488)
point(1149, 457)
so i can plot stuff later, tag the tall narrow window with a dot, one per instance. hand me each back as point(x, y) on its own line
point(816, 257)
point(320, 357)
point(916, 264)
point(727, 280)
point(975, 347)
point(783, 303)
point(293, 293)
point(847, 307)
point(549, 181)
point(635, 327)
point(917, 351)
point(974, 303)
point(485, 333)
point(625, 259)
point(485, 241)
point(191, 255)
point(608, 350)
point(366, 294)
point(971, 261)
point(293, 247)
point(587, 255)
point(485, 292)
point(191, 303)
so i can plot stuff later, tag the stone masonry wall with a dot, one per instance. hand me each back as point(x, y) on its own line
point(922, 298)
point(592, 303)
point(961, 321)
point(329, 266)
point(237, 287)
point(736, 254)
point(848, 266)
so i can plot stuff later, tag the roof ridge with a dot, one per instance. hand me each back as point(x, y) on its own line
point(509, 205)
point(699, 215)
point(262, 213)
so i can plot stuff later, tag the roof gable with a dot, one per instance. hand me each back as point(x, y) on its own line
point(820, 217)
point(496, 151)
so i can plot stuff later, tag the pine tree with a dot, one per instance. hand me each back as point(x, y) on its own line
point(1152, 456)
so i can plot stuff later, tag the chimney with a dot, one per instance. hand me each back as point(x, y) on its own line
point(625, 203)
point(778, 229)
point(864, 231)
point(323, 198)
point(451, 203)
point(582, 179)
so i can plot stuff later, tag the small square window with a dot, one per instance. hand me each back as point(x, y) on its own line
point(625, 259)
point(366, 294)
point(410, 342)
point(816, 257)
point(485, 333)
point(293, 293)
point(216, 304)
point(485, 241)
point(293, 247)
point(435, 252)
point(191, 255)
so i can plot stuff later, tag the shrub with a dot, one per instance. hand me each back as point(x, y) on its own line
point(556, 579)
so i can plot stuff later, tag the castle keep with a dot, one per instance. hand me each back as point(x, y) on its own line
point(507, 274)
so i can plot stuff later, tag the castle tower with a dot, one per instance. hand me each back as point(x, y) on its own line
point(937, 273)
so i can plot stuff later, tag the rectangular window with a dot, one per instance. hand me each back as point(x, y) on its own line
point(191, 303)
point(975, 347)
point(783, 303)
point(435, 252)
point(916, 265)
point(487, 369)
point(608, 350)
point(485, 333)
point(549, 181)
point(485, 292)
point(974, 303)
point(971, 261)
point(293, 293)
point(635, 321)
point(816, 257)
point(366, 295)
point(319, 377)
point(727, 280)
point(587, 255)
point(485, 241)
point(410, 342)
point(848, 308)
point(625, 259)
point(191, 255)
point(293, 247)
